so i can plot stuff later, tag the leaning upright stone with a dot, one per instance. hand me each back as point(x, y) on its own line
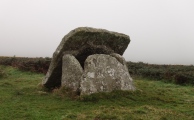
point(71, 73)
point(81, 43)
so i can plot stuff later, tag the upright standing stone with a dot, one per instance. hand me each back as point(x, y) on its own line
point(71, 72)
point(104, 73)
point(81, 43)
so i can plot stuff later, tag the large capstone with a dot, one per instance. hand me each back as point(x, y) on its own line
point(81, 43)
point(105, 73)
point(71, 73)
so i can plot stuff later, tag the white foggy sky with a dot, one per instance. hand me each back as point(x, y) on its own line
point(161, 31)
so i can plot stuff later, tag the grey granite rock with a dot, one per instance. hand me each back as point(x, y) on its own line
point(71, 72)
point(104, 73)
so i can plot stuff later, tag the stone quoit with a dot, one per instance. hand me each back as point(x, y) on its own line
point(67, 67)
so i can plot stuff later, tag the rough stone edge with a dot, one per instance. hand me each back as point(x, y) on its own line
point(122, 60)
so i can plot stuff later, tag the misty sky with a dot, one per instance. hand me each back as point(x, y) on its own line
point(161, 31)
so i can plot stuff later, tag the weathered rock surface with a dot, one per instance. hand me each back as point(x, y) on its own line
point(81, 43)
point(71, 72)
point(104, 73)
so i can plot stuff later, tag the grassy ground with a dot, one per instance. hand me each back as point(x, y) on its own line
point(21, 99)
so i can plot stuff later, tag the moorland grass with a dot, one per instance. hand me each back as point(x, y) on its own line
point(22, 99)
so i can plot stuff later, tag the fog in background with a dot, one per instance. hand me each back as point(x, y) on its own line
point(161, 31)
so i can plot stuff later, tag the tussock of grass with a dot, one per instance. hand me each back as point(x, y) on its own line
point(22, 98)
point(2, 72)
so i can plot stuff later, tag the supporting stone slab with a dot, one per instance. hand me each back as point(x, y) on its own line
point(71, 72)
point(104, 73)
